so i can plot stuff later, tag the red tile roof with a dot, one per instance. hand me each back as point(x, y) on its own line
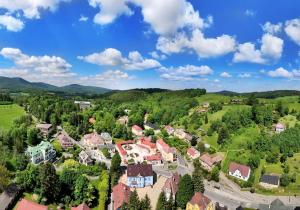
point(165, 146)
point(29, 205)
point(121, 149)
point(153, 157)
point(139, 169)
point(81, 207)
point(148, 143)
point(192, 151)
point(137, 128)
point(242, 168)
point(121, 194)
point(200, 200)
point(209, 160)
point(172, 183)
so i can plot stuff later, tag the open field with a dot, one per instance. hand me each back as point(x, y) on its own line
point(8, 113)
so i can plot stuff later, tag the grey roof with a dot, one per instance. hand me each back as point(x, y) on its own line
point(8, 196)
point(270, 179)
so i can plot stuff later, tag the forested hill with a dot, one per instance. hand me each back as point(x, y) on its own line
point(21, 85)
point(264, 94)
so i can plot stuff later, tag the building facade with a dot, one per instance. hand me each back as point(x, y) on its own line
point(140, 175)
point(41, 153)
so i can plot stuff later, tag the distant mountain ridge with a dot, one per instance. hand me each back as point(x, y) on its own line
point(19, 84)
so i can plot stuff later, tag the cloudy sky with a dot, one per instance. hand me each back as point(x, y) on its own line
point(218, 45)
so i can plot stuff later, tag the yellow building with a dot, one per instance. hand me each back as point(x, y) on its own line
point(200, 202)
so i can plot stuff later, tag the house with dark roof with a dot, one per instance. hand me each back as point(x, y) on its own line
point(139, 175)
point(239, 171)
point(30, 205)
point(120, 195)
point(65, 141)
point(171, 186)
point(45, 129)
point(269, 181)
point(9, 196)
point(151, 126)
point(200, 202)
point(82, 206)
point(275, 205)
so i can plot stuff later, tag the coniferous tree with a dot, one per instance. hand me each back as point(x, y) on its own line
point(145, 203)
point(49, 181)
point(162, 202)
point(134, 201)
point(198, 181)
point(185, 191)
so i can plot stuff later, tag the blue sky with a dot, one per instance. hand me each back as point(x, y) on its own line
point(248, 45)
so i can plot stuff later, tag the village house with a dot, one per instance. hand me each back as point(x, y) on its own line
point(92, 120)
point(193, 153)
point(236, 101)
point(169, 129)
point(9, 196)
point(139, 175)
point(208, 162)
point(182, 134)
point(65, 141)
point(171, 186)
point(146, 142)
point(45, 129)
point(205, 105)
point(30, 205)
point(106, 137)
point(84, 158)
point(150, 126)
point(120, 195)
point(154, 159)
point(40, 153)
point(92, 140)
point(269, 181)
point(168, 153)
point(137, 130)
point(279, 127)
point(83, 104)
point(239, 171)
point(200, 202)
point(82, 206)
point(123, 120)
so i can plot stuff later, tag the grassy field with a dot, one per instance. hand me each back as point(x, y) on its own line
point(240, 156)
point(8, 113)
point(289, 121)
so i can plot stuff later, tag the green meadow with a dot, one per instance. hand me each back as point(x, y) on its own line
point(8, 113)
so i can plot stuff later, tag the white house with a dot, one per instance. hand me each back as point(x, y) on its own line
point(239, 171)
point(40, 153)
point(279, 127)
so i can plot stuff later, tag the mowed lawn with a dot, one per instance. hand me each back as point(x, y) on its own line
point(8, 113)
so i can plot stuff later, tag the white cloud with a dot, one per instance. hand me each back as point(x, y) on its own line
point(216, 80)
point(245, 75)
point(109, 10)
point(165, 17)
point(113, 57)
point(11, 23)
point(107, 76)
point(292, 29)
point(250, 13)
point(36, 68)
point(225, 75)
point(271, 49)
point(204, 47)
point(272, 28)
point(272, 46)
point(157, 55)
point(280, 72)
point(30, 8)
point(83, 18)
point(185, 73)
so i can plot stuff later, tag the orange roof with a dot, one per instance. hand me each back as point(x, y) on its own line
point(137, 128)
point(121, 194)
point(165, 146)
point(200, 200)
point(153, 157)
point(148, 143)
point(29, 205)
point(81, 207)
point(192, 151)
